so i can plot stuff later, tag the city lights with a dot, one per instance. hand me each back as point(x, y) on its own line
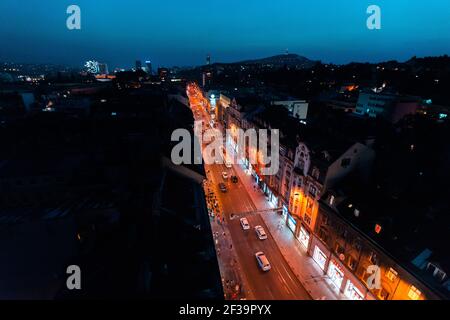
point(215, 159)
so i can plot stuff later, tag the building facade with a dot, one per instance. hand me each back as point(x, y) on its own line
point(301, 192)
point(352, 261)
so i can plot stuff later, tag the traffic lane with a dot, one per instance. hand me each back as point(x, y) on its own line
point(279, 282)
point(282, 282)
point(235, 199)
point(289, 284)
point(243, 242)
point(259, 281)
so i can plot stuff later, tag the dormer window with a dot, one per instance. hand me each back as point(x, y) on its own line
point(312, 190)
point(345, 163)
point(315, 173)
point(436, 272)
point(301, 164)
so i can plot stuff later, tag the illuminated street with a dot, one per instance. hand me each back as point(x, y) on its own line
point(228, 159)
point(280, 282)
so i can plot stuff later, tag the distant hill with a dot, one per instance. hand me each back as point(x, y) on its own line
point(290, 60)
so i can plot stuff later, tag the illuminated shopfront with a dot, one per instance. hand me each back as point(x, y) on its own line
point(304, 237)
point(254, 175)
point(292, 223)
point(336, 273)
point(285, 210)
point(273, 199)
point(352, 293)
point(246, 163)
point(320, 257)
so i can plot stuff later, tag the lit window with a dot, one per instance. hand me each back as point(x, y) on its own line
point(384, 294)
point(391, 274)
point(377, 228)
point(308, 219)
point(414, 293)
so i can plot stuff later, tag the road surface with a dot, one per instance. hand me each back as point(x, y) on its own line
point(280, 283)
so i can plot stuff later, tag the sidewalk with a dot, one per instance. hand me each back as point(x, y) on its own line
point(234, 286)
point(305, 268)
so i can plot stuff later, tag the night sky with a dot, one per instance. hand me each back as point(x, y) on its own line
point(175, 32)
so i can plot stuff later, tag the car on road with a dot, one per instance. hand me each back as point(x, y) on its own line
point(244, 223)
point(262, 235)
point(228, 165)
point(263, 262)
point(234, 179)
point(225, 175)
point(223, 187)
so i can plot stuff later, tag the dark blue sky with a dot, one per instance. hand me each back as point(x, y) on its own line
point(175, 32)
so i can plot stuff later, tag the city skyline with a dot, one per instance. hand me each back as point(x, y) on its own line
point(176, 36)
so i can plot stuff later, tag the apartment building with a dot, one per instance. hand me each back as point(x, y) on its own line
point(310, 190)
point(354, 245)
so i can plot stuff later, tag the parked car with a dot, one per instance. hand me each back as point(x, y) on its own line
point(263, 262)
point(244, 223)
point(223, 187)
point(260, 233)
